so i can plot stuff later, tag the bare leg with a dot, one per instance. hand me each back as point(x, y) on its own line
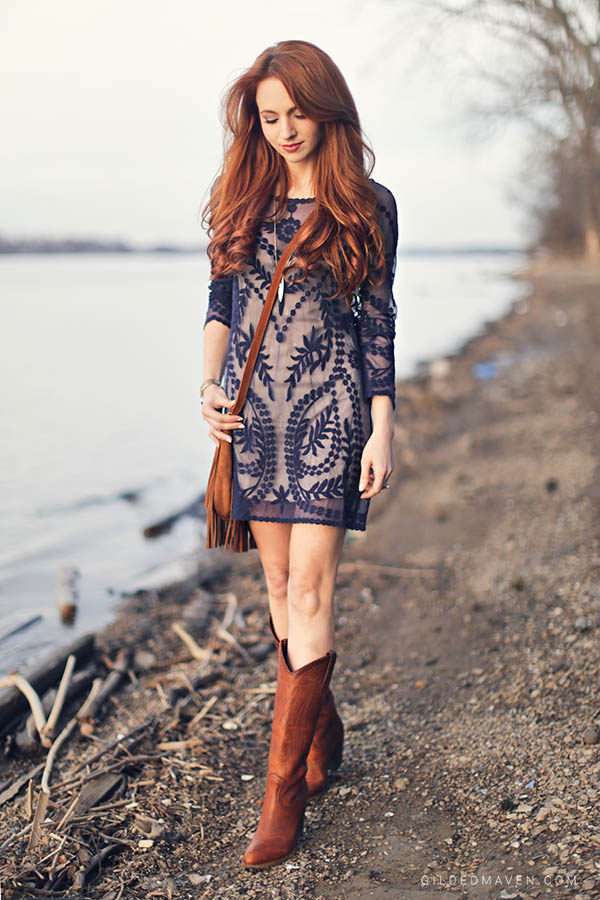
point(314, 555)
point(273, 541)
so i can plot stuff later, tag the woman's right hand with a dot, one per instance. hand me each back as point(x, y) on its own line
point(219, 424)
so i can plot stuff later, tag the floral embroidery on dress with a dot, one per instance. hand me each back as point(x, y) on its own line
point(307, 415)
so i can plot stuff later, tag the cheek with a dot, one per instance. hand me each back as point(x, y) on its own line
point(268, 137)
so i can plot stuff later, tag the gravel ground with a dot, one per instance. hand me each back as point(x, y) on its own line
point(467, 671)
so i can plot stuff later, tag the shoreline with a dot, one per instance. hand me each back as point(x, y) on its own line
point(426, 566)
point(194, 569)
point(183, 560)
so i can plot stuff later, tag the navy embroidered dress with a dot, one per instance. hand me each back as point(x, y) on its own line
point(307, 412)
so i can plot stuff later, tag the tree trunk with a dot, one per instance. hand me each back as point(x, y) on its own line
point(592, 243)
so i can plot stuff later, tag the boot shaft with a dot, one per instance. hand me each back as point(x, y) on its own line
point(296, 711)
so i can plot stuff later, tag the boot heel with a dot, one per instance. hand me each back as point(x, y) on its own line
point(336, 760)
point(301, 826)
point(336, 757)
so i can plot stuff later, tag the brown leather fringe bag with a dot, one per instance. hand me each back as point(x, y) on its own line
point(221, 529)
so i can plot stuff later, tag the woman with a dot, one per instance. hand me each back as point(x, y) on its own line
point(314, 443)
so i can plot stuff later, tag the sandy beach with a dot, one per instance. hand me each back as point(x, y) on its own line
point(467, 669)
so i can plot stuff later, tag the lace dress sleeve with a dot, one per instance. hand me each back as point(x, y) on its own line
point(219, 300)
point(376, 320)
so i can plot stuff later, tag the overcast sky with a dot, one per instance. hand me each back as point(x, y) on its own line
point(110, 116)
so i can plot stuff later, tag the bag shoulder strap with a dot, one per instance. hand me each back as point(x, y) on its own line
point(265, 314)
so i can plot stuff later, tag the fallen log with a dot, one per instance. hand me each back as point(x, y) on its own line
point(196, 509)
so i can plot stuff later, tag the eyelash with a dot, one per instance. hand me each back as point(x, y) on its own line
point(270, 121)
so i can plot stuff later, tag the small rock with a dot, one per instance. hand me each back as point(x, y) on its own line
point(145, 844)
point(143, 660)
point(148, 826)
point(198, 879)
point(581, 623)
point(591, 735)
point(246, 777)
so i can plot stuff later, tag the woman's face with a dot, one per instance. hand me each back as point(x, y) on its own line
point(283, 124)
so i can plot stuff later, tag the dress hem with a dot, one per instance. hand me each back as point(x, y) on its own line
point(305, 522)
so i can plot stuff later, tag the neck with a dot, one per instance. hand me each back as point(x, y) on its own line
point(300, 178)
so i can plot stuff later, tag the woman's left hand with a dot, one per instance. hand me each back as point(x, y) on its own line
point(377, 462)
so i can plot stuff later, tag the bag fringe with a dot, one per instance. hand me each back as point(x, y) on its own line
point(231, 534)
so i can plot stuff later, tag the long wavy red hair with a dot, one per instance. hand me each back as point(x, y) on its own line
point(346, 235)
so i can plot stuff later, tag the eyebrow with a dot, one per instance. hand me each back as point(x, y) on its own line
point(273, 112)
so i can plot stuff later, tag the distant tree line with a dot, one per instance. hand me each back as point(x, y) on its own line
point(546, 75)
point(84, 245)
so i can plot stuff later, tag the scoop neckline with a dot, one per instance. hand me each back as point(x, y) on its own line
point(299, 199)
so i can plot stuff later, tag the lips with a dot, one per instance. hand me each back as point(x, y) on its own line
point(291, 147)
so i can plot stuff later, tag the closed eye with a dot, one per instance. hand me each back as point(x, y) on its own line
point(271, 121)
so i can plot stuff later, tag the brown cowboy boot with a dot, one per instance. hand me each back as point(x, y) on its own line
point(328, 741)
point(295, 714)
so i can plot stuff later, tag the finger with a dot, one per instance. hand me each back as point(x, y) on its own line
point(220, 419)
point(365, 474)
point(379, 479)
point(229, 425)
point(375, 487)
point(218, 435)
point(223, 418)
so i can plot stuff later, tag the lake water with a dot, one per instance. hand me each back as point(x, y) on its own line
point(101, 360)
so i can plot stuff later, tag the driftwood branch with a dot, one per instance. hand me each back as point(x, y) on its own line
point(27, 738)
point(41, 678)
point(350, 567)
point(54, 750)
point(194, 648)
point(109, 685)
point(32, 696)
point(44, 796)
point(13, 789)
point(63, 687)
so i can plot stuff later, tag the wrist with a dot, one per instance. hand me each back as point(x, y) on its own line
point(382, 414)
point(206, 383)
point(385, 429)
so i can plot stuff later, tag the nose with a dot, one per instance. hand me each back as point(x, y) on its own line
point(288, 131)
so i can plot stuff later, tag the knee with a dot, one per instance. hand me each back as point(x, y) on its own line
point(303, 594)
point(277, 583)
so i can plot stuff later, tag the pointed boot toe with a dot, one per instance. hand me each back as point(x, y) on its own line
point(279, 829)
